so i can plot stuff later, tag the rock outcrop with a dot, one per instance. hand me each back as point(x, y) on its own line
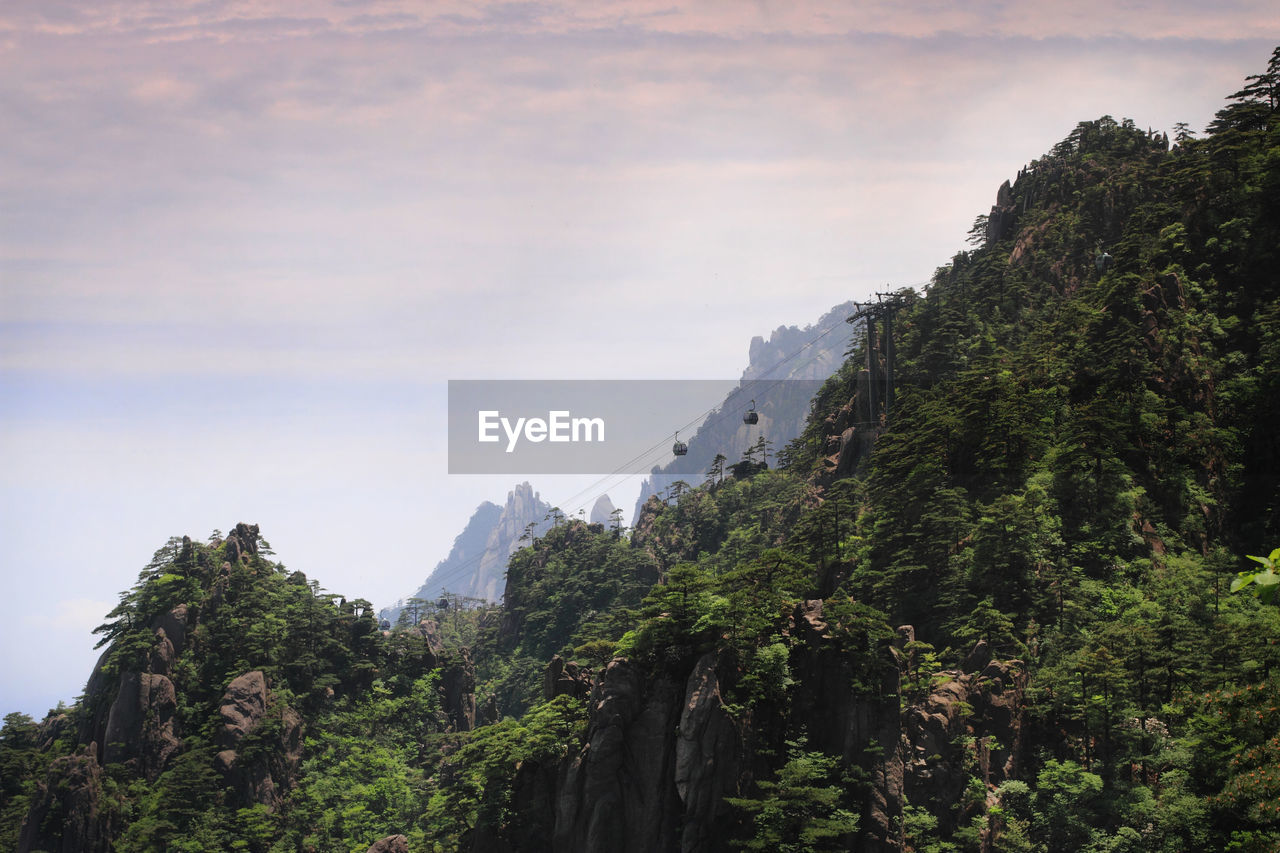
point(140, 725)
point(458, 686)
point(709, 756)
point(602, 511)
point(565, 679)
point(65, 815)
point(390, 844)
point(847, 699)
point(618, 792)
point(247, 711)
point(241, 542)
point(174, 625)
point(968, 722)
point(659, 762)
point(131, 717)
point(656, 767)
point(1001, 219)
point(849, 435)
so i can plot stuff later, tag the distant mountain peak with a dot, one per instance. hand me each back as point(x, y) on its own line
point(477, 562)
point(603, 511)
point(812, 353)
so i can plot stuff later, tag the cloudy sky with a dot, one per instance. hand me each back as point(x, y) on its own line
point(244, 243)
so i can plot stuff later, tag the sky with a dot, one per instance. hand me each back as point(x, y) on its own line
point(245, 243)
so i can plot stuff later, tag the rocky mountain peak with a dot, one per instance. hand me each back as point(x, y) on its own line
point(602, 511)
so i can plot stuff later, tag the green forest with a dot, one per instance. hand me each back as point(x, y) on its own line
point(1012, 589)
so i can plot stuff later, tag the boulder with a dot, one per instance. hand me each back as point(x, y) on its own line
point(390, 844)
point(809, 624)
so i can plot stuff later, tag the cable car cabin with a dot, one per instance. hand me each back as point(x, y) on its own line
point(385, 625)
point(751, 416)
point(1103, 262)
point(679, 448)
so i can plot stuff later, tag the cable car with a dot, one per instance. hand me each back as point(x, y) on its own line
point(1103, 262)
point(751, 416)
point(679, 448)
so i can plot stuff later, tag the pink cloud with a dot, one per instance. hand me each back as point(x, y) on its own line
point(255, 20)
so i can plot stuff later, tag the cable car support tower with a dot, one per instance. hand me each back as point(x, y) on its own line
point(879, 350)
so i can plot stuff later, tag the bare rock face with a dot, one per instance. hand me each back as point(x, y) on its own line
point(888, 782)
point(618, 793)
point(708, 756)
point(98, 698)
point(530, 820)
point(1000, 220)
point(390, 844)
point(163, 654)
point(934, 769)
point(246, 710)
point(174, 626)
point(71, 791)
point(430, 631)
point(140, 725)
point(848, 438)
point(658, 762)
point(998, 699)
point(242, 706)
point(848, 701)
point(986, 709)
point(131, 716)
point(458, 684)
point(242, 542)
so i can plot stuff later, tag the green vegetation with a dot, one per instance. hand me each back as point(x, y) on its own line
point(1080, 452)
point(800, 811)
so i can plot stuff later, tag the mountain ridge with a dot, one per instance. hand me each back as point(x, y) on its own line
point(1003, 612)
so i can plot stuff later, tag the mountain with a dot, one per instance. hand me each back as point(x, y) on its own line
point(801, 358)
point(602, 511)
point(477, 562)
point(1025, 603)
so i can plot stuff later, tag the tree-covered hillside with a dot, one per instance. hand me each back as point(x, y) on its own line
point(999, 609)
